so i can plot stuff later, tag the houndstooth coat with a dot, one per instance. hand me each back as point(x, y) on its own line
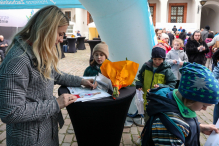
point(27, 104)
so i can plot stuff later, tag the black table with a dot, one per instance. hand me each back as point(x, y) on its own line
point(96, 39)
point(71, 44)
point(80, 43)
point(92, 44)
point(100, 122)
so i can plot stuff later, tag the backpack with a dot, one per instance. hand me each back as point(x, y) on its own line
point(146, 135)
point(65, 48)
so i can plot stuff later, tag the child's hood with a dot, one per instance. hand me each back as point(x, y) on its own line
point(173, 50)
point(161, 101)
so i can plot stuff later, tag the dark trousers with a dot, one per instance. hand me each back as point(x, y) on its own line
point(212, 67)
point(216, 113)
point(2, 55)
point(177, 84)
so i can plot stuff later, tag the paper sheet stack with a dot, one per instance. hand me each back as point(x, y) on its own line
point(87, 94)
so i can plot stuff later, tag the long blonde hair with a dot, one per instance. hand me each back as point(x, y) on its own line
point(41, 32)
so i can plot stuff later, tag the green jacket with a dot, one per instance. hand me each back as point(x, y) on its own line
point(163, 76)
point(92, 71)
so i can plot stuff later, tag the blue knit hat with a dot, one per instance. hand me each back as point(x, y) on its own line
point(198, 83)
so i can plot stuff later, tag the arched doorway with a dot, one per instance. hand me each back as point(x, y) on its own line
point(210, 15)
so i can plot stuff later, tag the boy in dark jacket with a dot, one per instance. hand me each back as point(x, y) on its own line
point(156, 72)
point(173, 119)
point(182, 35)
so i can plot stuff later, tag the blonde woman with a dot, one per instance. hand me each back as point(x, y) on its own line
point(27, 77)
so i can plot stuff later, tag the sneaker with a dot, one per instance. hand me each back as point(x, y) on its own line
point(128, 122)
point(139, 121)
point(138, 141)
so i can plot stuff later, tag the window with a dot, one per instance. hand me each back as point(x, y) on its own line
point(68, 14)
point(177, 13)
point(89, 18)
point(153, 12)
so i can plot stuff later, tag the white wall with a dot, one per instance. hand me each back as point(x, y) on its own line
point(85, 25)
point(72, 10)
point(191, 10)
point(79, 17)
point(81, 21)
point(157, 2)
point(209, 15)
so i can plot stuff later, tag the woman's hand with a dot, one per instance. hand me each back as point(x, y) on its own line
point(200, 47)
point(207, 129)
point(140, 89)
point(66, 99)
point(89, 83)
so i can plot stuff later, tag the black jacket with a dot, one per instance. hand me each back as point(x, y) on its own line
point(171, 36)
point(182, 36)
point(193, 53)
point(174, 29)
point(162, 101)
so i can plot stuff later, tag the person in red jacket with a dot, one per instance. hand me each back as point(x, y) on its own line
point(164, 41)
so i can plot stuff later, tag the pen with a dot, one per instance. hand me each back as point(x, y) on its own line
point(95, 80)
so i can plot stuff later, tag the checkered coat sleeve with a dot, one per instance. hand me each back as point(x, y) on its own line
point(27, 104)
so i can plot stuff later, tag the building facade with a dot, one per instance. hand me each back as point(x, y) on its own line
point(185, 11)
point(79, 20)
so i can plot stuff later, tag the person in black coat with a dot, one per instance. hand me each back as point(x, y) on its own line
point(174, 29)
point(196, 49)
point(182, 35)
point(171, 37)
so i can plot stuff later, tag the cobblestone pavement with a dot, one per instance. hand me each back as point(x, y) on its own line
point(75, 64)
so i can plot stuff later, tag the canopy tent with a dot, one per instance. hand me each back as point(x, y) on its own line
point(91, 25)
point(37, 4)
point(12, 21)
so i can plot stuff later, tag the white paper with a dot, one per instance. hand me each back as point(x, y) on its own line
point(107, 82)
point(213, 139)
point(101, 79)
point(139, 101)
point(217, 124)
point(82, 92)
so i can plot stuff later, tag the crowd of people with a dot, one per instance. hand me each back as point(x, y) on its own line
point(176, 71)
point(180, 71)
point(175, 82)
point(206, 40)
